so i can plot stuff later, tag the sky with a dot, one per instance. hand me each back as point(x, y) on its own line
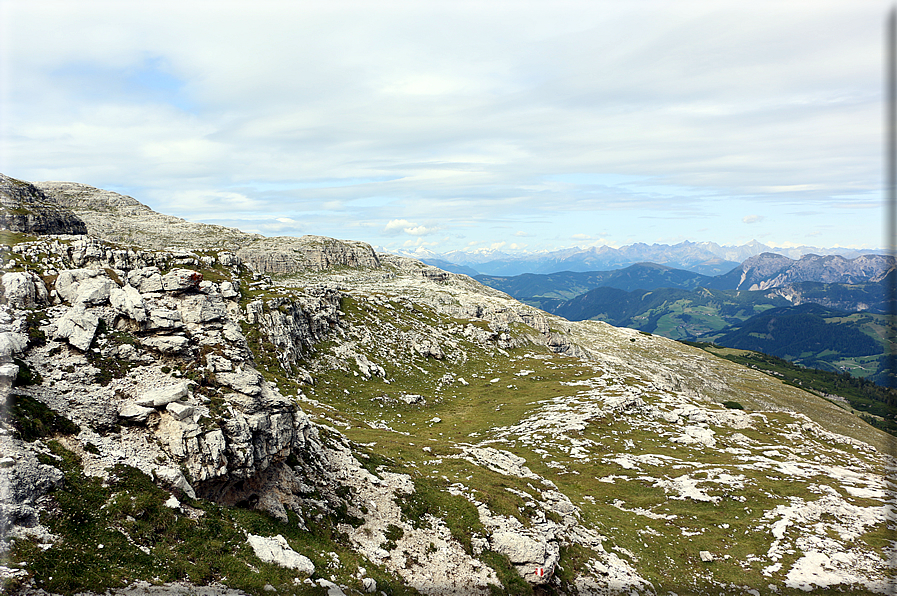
point(453, 125)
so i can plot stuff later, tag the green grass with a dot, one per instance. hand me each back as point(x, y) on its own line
point(33, 420)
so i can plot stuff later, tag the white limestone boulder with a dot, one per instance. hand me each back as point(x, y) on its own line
point(146, 279)
point(129, 302)
point(166, 344)
point(78, 326)
point(132, 412)
point(181, 280)
point(84, 286)
point(161, 397)
point(24, 290)
point(276, 550)
point(535, 560)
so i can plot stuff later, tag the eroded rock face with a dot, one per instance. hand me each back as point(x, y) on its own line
point(294, 325)
point(289, 255)
point(25, 208)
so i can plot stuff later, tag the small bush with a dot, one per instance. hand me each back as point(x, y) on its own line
point(733, 405)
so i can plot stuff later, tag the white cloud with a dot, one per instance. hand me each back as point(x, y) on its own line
point(749, 219)
point(472, 114)
point(286, 220)
point(412, 229)
point(398, 224)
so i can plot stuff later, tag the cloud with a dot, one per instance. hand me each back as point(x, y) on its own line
point(749, 219)
point(412, 229)
point(286, 220)
point(582, 237)
point(393, 110)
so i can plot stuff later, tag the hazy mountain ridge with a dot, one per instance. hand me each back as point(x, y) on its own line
point(862, 277)
point(707, 258)
point(379, 425)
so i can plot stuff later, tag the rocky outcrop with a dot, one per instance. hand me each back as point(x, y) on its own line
point(292, 325)
point(282, 256)
point(124, 220)
point(25, 208)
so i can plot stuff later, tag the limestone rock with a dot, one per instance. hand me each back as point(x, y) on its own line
point(24, 480)
point(201, 308)
point(166, 344)
point(290, 255)
point(11, 343)
point(128, 302)
point(179, 411)
point(426, 347)
point(124, 220)
point(23, 290)
point(164, 318)
point(84, 286)
point(534, 560)
point(8, 374)
point(132, 412)
point(175, 479)
point(228, 291)
point(276, 550)
point(146, 279)
point(245, 381)
point(78, 326)
point(181, 280)
point(159, 398)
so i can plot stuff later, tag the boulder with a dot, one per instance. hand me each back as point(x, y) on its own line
point(159, 398)
point(218, 363)
point(94, 291)
point(83, 286)
point(201, 308)
point(24, 290)
point(166, 344)
point(535, 560)
point(11, 343)
point(128, 302)
point(427, 348)
point(276, 550)
point(228, 291)
point(164, 318)
point(245, 381)
point(181, 280)
point(78, 326)
point(8, 374)
point(175, 479)
point(179, 411)
point(146, 279)
point(132, 412)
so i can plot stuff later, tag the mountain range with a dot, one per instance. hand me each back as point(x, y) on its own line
point(707, 258)
point(730, 309)
point(188, 409)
